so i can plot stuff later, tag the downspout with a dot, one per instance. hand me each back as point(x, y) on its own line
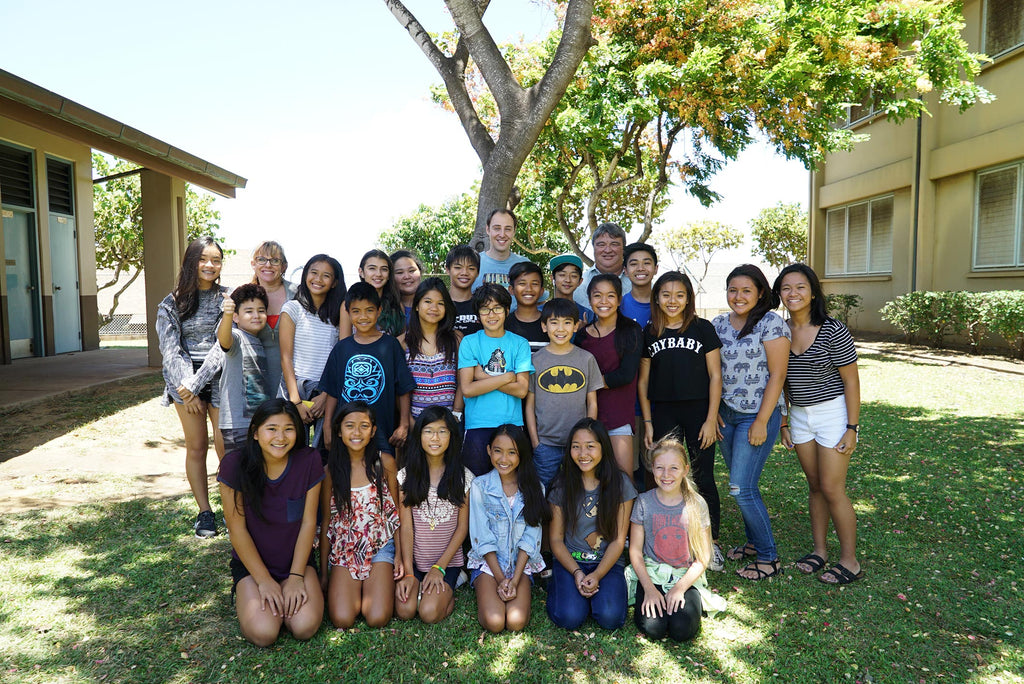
point(917, 206)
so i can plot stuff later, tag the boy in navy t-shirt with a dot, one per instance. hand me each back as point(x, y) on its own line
point(462, 266)
point(526, 284)
point(369, 366)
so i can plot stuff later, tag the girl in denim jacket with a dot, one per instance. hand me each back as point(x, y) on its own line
point(506, 510)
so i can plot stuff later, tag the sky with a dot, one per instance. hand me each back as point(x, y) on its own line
point(322, 105)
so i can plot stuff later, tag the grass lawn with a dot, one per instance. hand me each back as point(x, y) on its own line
point(118, 592)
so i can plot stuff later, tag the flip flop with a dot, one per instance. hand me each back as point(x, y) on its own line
point(813, 561)
point(841, 574)
point(738, 553)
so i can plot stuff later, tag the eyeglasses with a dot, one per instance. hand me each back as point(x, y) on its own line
point(492, 310)
point(263, 261)
point(431, 432)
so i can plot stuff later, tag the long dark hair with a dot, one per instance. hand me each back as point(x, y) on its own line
point(535, 506)
point(767, 299)
point(186, 291)
point(392, 313)
point(330, 310)
point(252, 471)
point(339, 463)
point(819, 310)
point(447, 340)
point(628, 335)
point(657, 324)
point(417, 471)
point(609, 479)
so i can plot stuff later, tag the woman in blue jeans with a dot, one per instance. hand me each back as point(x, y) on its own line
point(591, 501)
point(755, 352)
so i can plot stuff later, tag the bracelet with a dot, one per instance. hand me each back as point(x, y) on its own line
point(404, 575)
point(648, 421)
point(578, 570)
point(439, 569)
point(784, 426)
point(295, 574)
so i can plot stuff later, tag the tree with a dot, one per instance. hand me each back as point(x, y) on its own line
point(780, 234)
point(698, 241)
point(523, 110)
point(117, 206)
point(718, 72)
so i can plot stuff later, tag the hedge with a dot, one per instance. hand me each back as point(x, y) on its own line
point(934, 316)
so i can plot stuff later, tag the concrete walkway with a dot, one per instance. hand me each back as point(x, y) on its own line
point(27, 381)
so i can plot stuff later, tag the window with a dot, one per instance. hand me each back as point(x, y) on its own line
point(866, 108)
point(1004, 26)
point(998, 236)
point(858, 238)
point(16, 177)
point(59, 184)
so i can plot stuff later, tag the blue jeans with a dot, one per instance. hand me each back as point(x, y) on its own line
point(567, 608)
point(547, 460)
point(745, 465)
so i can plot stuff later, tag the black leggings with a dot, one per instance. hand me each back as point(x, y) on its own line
point(688, 416)
point(682, 625)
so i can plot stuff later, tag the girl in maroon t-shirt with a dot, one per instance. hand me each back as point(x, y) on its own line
point(270, 490)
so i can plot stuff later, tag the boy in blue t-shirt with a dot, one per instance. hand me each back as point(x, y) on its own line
point(243, 378)
point(494, 375)
point(369, 366)
point(641, 264)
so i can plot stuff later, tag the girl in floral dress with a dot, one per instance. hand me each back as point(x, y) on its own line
point(357, 541)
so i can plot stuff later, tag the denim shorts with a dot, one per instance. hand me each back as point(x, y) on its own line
point(825, 423)
point(386, 553)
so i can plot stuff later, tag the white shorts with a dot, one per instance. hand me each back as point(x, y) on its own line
point(825, 423)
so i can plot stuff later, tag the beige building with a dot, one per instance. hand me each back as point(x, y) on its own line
point(934, 204)
point(48, 298)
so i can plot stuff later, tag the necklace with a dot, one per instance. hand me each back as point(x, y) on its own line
point(431, 509)
point(600, 334)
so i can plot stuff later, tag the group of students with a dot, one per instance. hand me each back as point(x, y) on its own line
point(454, 432)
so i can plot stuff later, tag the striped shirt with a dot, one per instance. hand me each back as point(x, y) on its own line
point(433, 524)
point(436, 381)
point(313, 343)
point(813, 377)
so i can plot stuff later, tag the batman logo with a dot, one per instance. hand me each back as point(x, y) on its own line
point(561, 380)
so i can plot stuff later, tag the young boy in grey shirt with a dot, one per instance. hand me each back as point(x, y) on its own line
point(243, 380)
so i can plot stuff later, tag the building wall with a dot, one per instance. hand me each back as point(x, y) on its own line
point(44, 145)
point(954, 147)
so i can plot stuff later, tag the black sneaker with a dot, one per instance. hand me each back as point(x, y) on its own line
point(206, 525)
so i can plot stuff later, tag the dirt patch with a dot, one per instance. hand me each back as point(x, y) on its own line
point(54, 453)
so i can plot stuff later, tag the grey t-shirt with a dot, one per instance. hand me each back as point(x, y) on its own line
point(560, 384)
point(243, 381)
point(745, 362)
point(585, 543)
point(666, 537)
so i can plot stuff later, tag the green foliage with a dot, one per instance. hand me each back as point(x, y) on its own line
point(780, 234)
point(1004, 314)
point(117, 206)
point(698, 241)
point(841, 306)
point(936, 315)
point(431, 231)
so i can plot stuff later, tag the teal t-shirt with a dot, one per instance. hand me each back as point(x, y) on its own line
point(509, 353)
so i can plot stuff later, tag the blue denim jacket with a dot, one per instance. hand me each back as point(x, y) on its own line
point(496, 526)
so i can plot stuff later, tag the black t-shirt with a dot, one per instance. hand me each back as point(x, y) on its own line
point(466, 320)
point(679, 369)
point(532, 331)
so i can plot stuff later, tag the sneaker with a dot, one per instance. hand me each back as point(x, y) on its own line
point(206, 525)
point(717, 559)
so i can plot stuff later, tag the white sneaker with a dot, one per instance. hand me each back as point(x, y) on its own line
point(717, 559)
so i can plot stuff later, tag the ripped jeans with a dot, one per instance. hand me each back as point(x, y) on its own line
point(745, 465)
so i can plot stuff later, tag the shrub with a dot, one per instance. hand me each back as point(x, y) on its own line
point(842, 306)
point(908, 312)
point(976, 319)
point(1004, 315)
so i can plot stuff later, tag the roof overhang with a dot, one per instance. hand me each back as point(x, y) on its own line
point(34, 106)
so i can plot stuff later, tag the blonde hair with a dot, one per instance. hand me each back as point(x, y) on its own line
point(695, 508)
point(271, 250)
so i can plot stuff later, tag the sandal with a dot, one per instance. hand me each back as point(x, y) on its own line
point(811, 560)
point(776, 569)
point(737, 553)
point(840, 575)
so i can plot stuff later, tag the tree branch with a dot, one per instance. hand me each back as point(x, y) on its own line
point(453, 72)
point(563, 224)
point(468, 17)
point(117, 295)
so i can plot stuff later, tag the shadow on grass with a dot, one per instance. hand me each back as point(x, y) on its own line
point(23, 429)
point(119, 592)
